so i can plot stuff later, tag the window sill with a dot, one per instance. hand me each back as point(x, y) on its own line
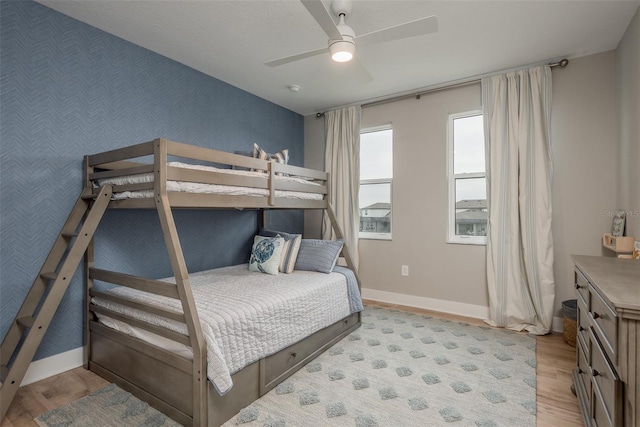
point(467, 241)
point(374, 236)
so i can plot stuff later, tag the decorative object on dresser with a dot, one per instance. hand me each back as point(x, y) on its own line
point(607, 378)
point(623, 246)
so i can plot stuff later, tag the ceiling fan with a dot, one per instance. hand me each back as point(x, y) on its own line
point(343, 40)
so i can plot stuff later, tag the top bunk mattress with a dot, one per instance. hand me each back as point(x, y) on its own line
point(247, 316)
point(196, 187)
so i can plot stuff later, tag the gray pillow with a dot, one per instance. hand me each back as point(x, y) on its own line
point(318, 255)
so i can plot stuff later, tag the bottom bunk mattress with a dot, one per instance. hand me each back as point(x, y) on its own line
point(245, 315)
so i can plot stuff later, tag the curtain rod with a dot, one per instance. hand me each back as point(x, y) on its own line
point(450, 85)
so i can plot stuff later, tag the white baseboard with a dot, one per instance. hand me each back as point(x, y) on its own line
point(451, 307)
point(54, 365)
point(557, 325)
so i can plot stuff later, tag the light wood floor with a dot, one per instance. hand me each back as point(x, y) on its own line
point(556, 405)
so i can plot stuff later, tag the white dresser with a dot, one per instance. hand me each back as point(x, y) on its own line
point(607, 378)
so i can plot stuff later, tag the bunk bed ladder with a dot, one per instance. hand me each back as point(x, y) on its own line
point(30, 324)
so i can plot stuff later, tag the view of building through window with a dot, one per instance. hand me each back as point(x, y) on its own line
point(467, 179)
point(376, 174)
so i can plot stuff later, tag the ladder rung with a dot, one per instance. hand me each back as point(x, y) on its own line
point(49, 276)
point(89, 196)
point(4, 371)
point(69, 234)
point(26, 321)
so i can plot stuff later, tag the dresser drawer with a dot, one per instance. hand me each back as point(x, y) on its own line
point(606, 389)
point(605, 321)
point(584, 370)
point(583, 324)
point(582, 288)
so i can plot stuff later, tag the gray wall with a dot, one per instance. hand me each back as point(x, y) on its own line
point(437, 270)
point(628, 81)
point(69, 89)
point(586, 157)
point(585, 154)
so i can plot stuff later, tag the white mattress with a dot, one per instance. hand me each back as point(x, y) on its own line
point(196, 187)
point(245, 315)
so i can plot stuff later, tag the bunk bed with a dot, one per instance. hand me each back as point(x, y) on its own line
point(176, 382)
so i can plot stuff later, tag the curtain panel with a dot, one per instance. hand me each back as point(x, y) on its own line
point(517, 111)
point(342, 161)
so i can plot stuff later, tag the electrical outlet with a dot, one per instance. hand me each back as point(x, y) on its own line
point(404, 270)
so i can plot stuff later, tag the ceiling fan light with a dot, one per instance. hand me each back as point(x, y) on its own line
point(342, 51)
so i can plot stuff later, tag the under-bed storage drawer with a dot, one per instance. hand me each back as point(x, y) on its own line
point(284, 363)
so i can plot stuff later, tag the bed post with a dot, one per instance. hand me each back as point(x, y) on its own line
point(263, 218)
point(182, 282)
point(88, 264)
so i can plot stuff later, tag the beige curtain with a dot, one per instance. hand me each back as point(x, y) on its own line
point(517, 109)
point(342, 161)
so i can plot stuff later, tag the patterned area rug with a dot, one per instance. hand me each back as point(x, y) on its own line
point(403, 369)
point(398, 369)
point(108, 407)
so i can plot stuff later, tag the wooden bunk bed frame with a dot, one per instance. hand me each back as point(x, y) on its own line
point(174, 385)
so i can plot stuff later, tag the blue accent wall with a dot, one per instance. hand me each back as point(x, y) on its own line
point(69, 89)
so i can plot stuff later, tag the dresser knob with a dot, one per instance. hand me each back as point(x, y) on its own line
point(581, 328)
point(294, 354)
point(595, 315)
point(578, 286)
point(596, 373)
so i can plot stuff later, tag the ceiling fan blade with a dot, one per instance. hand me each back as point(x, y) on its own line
point(292, 58)
point(323, 18)
point(360, 70)
point(402, 31)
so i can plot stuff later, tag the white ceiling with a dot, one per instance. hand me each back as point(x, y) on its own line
point(231, 40)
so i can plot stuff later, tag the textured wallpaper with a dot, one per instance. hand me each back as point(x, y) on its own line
point(68, 89)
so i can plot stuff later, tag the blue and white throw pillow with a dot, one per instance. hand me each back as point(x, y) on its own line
point(265, 254)
point(289, 250)
point(281, 156)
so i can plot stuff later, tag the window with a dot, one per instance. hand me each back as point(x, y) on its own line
point(468, 212)
point(376, 175)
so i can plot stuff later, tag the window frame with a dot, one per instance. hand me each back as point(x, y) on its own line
point(367, 235)
point(452, 237)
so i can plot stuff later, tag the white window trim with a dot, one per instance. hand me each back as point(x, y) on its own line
point(366, 235)
point(452, 237)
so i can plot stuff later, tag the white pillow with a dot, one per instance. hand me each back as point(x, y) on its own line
point(265, 254)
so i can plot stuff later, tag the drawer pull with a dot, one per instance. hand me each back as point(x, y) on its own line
point(595, 315)
point(596, 373)
point(294, 354)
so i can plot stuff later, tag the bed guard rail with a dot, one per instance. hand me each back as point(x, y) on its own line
point(126, 162)
point(156, 287)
